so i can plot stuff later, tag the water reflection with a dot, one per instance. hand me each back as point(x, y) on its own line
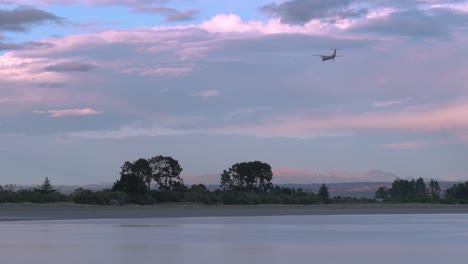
point(309, 239)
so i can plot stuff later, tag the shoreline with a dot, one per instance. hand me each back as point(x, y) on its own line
point(69, 211)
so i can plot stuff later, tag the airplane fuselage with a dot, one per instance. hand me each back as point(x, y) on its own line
point(330, 57)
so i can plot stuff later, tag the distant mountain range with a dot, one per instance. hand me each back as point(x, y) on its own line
point(298, 176)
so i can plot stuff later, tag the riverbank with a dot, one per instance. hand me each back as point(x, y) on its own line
point(65, 211)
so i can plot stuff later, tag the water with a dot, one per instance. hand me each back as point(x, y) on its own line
point(280, 239)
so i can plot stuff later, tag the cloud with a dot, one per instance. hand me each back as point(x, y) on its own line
point(161, 71)
point(21, 18)
point(248, 111)
point(9, 46)
point(20, 99)
point(172, 14)
point(427, 23)
point(419, 19)
point(390, 102)
point(449, 118)
point(302, 11)
point(208, 93)
point(129, 132)
point(15, 68)
point(69, 112)
point(70, 67)
point(93, 2)
point(414, 145)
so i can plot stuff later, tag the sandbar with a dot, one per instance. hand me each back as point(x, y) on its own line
point(69, 211)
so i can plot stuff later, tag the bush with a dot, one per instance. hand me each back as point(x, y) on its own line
point(245, 198)
point(167, 196)
point(81, 196)
point(141, 199)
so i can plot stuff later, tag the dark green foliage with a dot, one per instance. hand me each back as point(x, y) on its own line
point(254, 176)
point(434, 189)
point(205, 198)
point(167, 196)
point(231, 198)
point(410, 191)
point(382, 193)
point(31, 196)
point(163, 170)
point(198, 193)
point(324, 194)
point(323, 191)
point(166, 172)
point(46, 188)
point(141, 199)
point(130, 184)
point(199, 188)
point(457, 192)
point(140, 168)
point(82, 196)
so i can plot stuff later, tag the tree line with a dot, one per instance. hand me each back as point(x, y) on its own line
point(158, 180)
point(417, 191)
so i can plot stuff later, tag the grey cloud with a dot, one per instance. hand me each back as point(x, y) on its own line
point(302, 11)
point(70, 67)
point(20, 18)
point(37, 44)
point(9, 46)
point(172, 14)
point(438, 23)
point(130, 2)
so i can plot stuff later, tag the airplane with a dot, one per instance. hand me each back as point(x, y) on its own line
point(328, 57)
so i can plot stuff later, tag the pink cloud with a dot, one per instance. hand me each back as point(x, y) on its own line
point(20, 99)
point(69, 112)
point(161, 72)
point(208, 93)
point(390, 102)
point(412, 145)
point(407, 145)
point(92, 2)
point(20, 69)
point(129, 132)
point(233, 23)
point(439, 118)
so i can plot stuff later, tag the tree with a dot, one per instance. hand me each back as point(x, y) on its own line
point(382, 193)
point(434, 189)
point(253, 176)
point(458, 191)
point(130, 183)
point(140, 168)
point(198, 188)
point(323, 191)
point(165, 172)
point(402, 189)
point(46, 188)
point(420, 188)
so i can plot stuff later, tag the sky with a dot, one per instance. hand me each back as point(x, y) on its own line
point(87, 85)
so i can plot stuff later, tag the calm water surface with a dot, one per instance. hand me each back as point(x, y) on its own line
point(279, 239)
